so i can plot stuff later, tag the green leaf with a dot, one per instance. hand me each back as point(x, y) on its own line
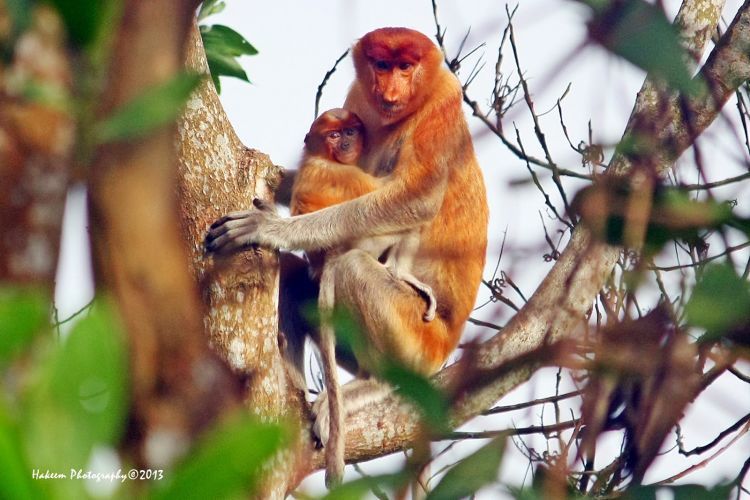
point(227, 462)
point(223, 65)
point(361, 488)
point(700, 492)
point(78, 400)
point(223, 39)
point(472, 473)
point(418, 389)
point(19, 12)
point(209, 8)
point(681, 492)
point(17, 482)
point(720, 300)
point(82, 22)
point(23, 314)
point(640, 33)
point(156, 107)
point(223, 46)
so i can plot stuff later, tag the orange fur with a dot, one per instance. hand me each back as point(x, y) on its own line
point(328, 176)
point(418, 139)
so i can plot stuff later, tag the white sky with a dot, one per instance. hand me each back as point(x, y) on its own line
point(298, 42)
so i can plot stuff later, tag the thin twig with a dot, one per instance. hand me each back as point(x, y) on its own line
point(705, 462)
point(328, 74)
point(528, 404)
point(699, 450)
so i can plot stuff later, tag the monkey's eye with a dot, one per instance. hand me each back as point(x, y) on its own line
point(382, 65)
point(334, 134)
point(350, 131)
point(405, 66)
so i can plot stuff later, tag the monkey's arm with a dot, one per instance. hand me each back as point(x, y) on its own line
point(395, 207)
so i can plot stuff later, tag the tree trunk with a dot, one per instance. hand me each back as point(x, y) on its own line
point(218, 175)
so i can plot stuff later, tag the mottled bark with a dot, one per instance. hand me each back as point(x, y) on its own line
point(178, 385)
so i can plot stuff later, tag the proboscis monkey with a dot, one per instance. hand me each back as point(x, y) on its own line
point(327, 176)
point(419, 144)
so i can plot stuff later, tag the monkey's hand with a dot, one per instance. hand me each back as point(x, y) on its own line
point(356, 395)
point(242, 230)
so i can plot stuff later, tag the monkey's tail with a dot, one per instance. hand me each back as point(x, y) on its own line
point(336, 433)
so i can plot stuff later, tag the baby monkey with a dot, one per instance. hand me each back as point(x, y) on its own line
point(329, 175)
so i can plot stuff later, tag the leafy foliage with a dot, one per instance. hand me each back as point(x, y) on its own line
point(209, 8)
point(360, 488)
point(224, 46)
point(720, 301)
point(23, 313)
point(419, 390)
point(228, 462)
point(607, 209)
point(472, 473)
point(84, 25)
point(74, 400)
point(156, 107)
point(640, 33)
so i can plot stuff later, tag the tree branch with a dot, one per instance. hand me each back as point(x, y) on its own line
point(560, 302)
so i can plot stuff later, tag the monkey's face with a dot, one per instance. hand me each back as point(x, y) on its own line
point(337, 135)
point(393, 63)
point(392, 84)
point(345, 144)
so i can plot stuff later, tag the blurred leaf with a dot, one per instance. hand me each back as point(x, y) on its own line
point(209, 8)
point(16, 480)
point(681, 492)
point(156, 107)
point(720, 300)
point(640, 33)
point(361, 488)
point(418, 389)
point(472, 473)
point(525, 493)
point(700, 492)
point(82, 21)
point(19, 12)
point(605, 206)
point(228, 461)
point(78, 399)
point(88, 376)
point(223, 46)
point(641, 493)
point(23, 314)
point(676, 210)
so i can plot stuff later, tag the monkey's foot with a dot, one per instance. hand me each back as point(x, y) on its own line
point(426, 291)
point(356, 394)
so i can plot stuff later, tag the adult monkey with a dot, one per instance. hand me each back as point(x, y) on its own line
point(419, 142)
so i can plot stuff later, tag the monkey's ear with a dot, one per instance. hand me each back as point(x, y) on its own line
point(307, 139)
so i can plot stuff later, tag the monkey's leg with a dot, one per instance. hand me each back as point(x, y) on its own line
point(335, 443)
point(391, 313)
